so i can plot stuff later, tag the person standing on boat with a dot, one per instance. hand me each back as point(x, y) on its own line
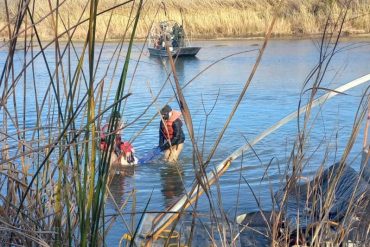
point(164, 35)
point(175, 35)
point(181, 36)
point(123, 152)
point(171, 135)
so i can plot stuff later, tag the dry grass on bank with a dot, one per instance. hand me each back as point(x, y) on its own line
point(202, 19)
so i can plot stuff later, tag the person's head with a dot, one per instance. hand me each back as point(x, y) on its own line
point(116, 116)
point(165, 112)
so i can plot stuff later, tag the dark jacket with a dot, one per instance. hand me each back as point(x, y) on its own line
point(178, 135)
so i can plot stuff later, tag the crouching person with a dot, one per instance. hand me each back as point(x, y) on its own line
point(171, 135)
point(123, 152)
point(127, 155)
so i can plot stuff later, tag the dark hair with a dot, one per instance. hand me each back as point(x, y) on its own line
point(116, 114)
point(166, 109)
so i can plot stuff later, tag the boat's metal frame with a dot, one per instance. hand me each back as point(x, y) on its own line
point(181, 52)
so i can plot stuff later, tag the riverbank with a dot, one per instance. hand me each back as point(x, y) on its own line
point(229, 19)
point(344, 37)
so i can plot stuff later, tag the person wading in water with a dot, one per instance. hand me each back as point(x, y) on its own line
point(171, 135)
point(123, 152)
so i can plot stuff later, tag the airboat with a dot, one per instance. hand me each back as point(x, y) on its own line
point(172, 35)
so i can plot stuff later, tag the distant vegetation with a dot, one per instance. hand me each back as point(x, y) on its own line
point(203, 19)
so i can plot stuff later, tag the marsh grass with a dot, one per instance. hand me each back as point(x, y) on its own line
point(202, 19)
point(54, 177)
point(54, 180)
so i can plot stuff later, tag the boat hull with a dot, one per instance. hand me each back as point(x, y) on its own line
point(181, 52)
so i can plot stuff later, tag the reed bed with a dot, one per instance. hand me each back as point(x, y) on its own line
point(54, 180)
point(53, 176)
point(202, 19)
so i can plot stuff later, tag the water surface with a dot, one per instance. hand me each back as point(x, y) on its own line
point(274, 93)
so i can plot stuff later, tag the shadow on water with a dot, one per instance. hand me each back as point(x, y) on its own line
point(180, 63)
point(172, 185)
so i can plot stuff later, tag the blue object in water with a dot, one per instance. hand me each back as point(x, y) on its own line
point(151, 155)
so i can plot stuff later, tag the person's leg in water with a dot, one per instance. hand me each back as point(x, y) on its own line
point(172, 154)
point(117, 164)
point(113, 163)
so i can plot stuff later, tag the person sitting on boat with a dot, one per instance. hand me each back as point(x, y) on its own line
point(160, 42)
point(175, 43)
point(157, 42)
point(171, 135)
point(123, 152)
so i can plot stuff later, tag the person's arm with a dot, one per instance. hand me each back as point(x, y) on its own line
point(177, 132)
point(161, 137)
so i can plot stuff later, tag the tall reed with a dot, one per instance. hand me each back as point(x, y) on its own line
point(54, 178)
point(207, 19)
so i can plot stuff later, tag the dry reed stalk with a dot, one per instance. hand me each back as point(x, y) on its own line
point(54, 196)
point(214, 19)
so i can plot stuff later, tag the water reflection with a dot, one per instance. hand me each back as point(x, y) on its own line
point(119, 184)
point(181, 63)
point(172, 185)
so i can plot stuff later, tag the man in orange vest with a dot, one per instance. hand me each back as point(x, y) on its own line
point(171, 135)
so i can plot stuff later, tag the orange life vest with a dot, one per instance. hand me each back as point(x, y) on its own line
point(167, 128)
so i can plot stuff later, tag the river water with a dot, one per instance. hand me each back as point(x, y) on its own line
point(274, 93)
